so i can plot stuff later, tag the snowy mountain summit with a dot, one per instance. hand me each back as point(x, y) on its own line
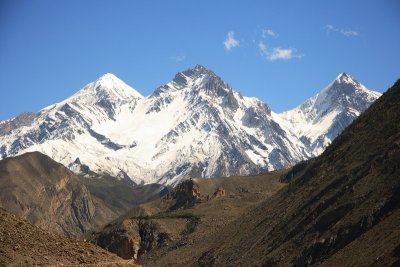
point(324, 116)
point(194, 126)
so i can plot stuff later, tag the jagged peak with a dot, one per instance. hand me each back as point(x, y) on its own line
point(199, 71)
point(200, 67)
point(345, 78)
point(343, 83)
point(343, 74)
point(345, 87)
point(198, 78)
point(345, 90)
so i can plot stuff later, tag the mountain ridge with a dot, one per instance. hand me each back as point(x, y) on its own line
point(194, 126)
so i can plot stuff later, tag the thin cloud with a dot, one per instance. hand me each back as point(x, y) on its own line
point(230, 41)
point(268, 33)
point(179, 58)
point(277, 53)
point(345, 32)
point(349, 33)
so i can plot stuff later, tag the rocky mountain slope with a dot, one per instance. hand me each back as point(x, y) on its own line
point(337, 205)
point(24, 119)
point(334, 205)
point(194, 126)
point(193, 209)
point(23, 244)
point(50, 196)
point(339, 209)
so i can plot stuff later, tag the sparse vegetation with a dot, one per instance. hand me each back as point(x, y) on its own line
point(191, 225)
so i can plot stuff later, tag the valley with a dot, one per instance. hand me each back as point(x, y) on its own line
point(199, 133)
point(320, 212)
point(339, 208)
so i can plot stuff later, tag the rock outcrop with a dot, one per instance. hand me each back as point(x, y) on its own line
point(185, 195)
point(131, 238)
point(220, 192)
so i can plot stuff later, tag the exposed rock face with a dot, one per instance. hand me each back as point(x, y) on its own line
point(131, 238)
point(185, 194)
point(24, 119)
point(220, 192)
point(151, 236)
point(123, 243)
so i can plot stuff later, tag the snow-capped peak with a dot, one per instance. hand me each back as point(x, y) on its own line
point(109, 87)
point(344, 78)
point(322, 117)
point(198, 79)
point(194, 126)
point(345, 89)
point(196, 75)
point(199, 70)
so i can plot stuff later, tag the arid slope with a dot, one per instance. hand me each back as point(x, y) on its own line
point(23, 244)
point(47, 194)
point(337, 209)
point(169, 230)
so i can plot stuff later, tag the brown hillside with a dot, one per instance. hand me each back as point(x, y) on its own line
point(23, 244)
point(170, 229)
point(47, 194)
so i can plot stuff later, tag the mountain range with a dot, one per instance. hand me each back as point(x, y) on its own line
point(341, 208)
point(194, 126)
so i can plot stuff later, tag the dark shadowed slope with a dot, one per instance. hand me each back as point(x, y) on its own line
point(333, 206)
point(23, 244)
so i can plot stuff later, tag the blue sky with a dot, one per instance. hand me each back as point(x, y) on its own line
point(279, 51)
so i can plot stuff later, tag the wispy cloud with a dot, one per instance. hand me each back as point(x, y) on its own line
point(345, 32)
point(179, 58)
point(277, 53)
point(230, 41)
point(268, 32)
